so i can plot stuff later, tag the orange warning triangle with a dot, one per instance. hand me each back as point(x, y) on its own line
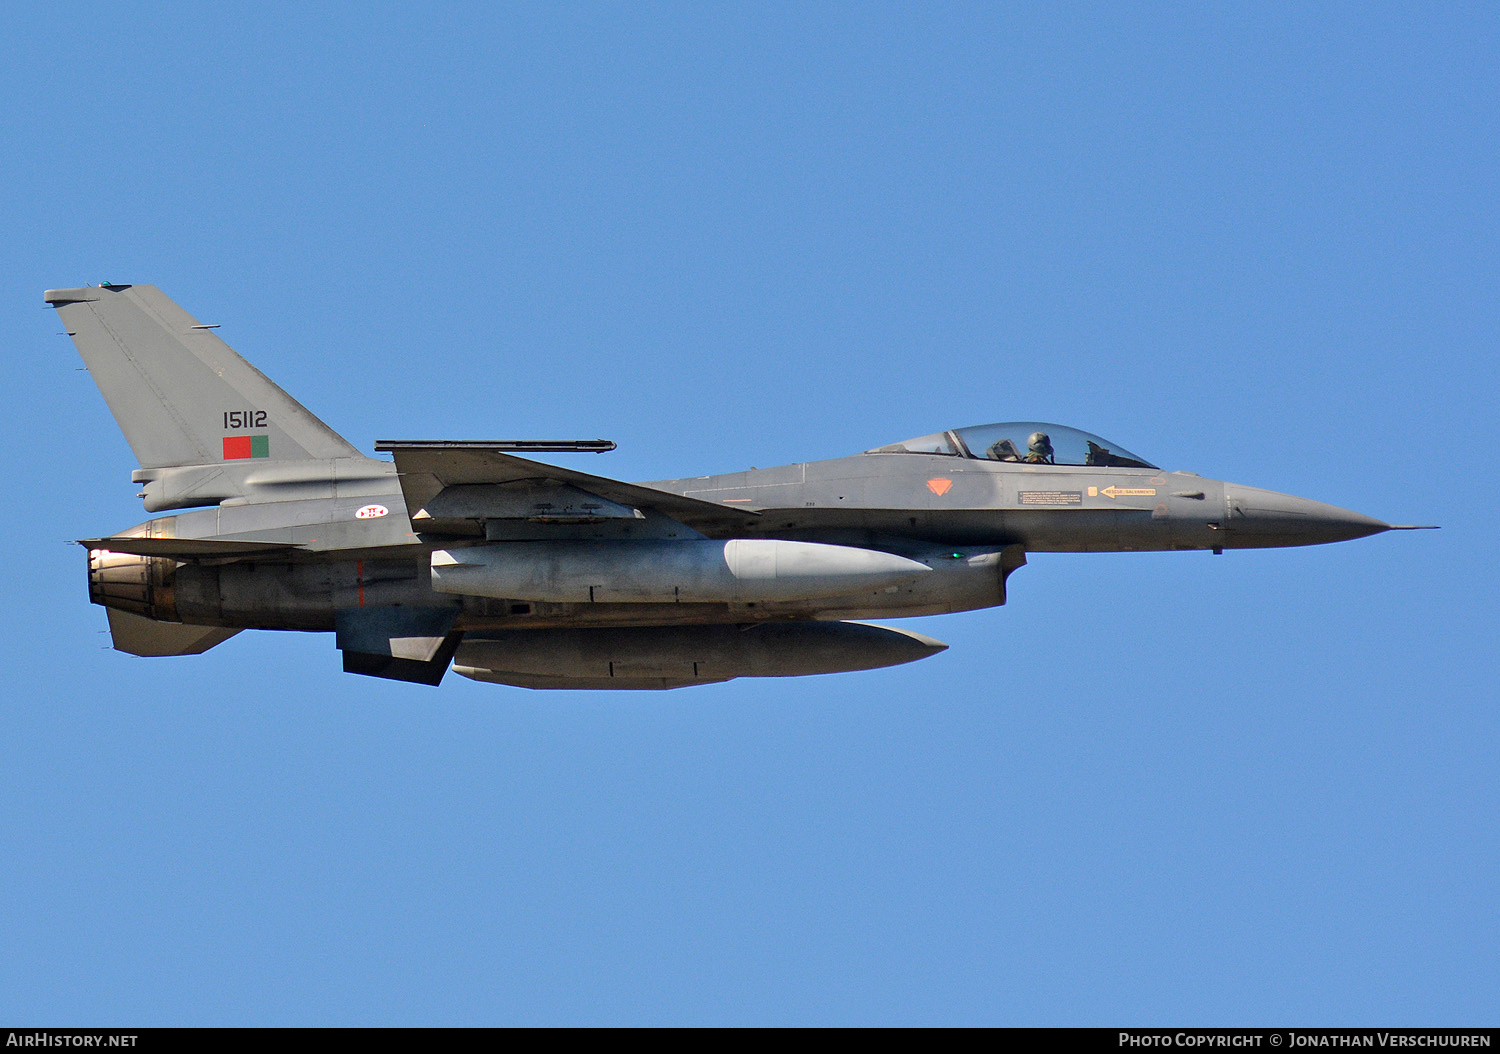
point(939, 486)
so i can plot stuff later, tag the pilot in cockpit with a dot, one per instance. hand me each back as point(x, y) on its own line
point(1039, 449)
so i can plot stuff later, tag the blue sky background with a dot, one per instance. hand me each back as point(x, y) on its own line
point(1255, 241)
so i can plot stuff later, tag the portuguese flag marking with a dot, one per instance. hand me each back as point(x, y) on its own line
point(237, 447)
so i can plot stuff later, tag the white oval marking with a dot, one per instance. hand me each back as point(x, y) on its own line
point(372, 512)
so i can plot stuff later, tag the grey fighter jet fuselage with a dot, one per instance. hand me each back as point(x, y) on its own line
point(525, 573)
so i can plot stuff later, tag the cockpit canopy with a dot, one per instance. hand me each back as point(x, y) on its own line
point(1024, 442)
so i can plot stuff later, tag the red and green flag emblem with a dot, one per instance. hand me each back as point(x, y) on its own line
point(238, 447)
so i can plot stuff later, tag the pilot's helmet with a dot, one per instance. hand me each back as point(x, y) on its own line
point(1039, 443)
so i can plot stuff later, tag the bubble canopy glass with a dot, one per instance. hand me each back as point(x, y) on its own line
point(1023, 442)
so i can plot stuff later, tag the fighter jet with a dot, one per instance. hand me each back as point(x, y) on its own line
point(518, 572)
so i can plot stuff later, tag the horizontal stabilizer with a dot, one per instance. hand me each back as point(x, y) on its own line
point(186, 548)
point(139, 635)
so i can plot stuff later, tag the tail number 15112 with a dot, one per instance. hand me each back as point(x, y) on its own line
point(234, 419)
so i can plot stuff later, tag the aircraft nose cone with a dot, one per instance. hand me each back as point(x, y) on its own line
point(1267, 518)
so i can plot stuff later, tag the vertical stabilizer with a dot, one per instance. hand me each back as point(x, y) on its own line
point(180, 394)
